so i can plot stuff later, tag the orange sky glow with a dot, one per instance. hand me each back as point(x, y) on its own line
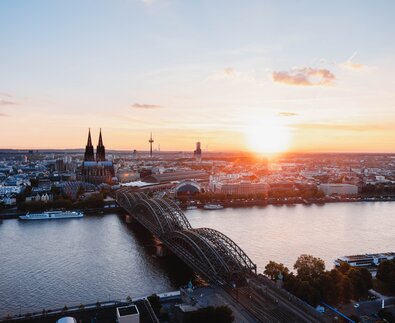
point(157, 67)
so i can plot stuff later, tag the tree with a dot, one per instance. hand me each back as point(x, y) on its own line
point(220, 314)
point(21, 197)
point(361, 281)
point(273, 269)
point(93, 201)
point(346, 290)
point(155, 303)
point(308, 292)
point(386, 274)
point(327, 284)
point(34, 182)
point(344, 267)
point(291, 282)
point(309, 267)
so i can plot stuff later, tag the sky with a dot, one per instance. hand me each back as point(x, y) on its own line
point(311, 76)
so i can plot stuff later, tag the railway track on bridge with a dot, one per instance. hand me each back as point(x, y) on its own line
point(215, 257)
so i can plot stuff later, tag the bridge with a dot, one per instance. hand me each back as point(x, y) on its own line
point(209, 252)
point(216, 258)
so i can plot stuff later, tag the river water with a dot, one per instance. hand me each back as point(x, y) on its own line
point(47, 264)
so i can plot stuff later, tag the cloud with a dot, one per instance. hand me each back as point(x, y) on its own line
point(288, 114)
point(148, 2)
point(226, 73)
point(352, 66)
point(146, 106)
point(6, 102)
point(344, 127)
point(306, 76)
point(3, 115)
point(230, 74)
point(349, 64)
point(229, 71)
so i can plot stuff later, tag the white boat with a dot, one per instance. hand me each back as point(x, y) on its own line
point(191, 207)
point(213, 207)
point(367, 260)
point(48, 215)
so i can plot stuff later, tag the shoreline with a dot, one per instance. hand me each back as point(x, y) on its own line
point(14, 214)
point(289, 202)
point(95, 211)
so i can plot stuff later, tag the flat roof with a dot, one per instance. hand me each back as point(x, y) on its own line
point(127, 310)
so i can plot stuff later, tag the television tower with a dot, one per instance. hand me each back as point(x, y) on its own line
point(151, 141)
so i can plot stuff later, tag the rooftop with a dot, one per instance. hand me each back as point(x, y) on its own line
point(127, 310)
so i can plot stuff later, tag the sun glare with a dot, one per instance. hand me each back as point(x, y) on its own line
point(268, 136)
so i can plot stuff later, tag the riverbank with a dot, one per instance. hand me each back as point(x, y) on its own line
point(15, 213)
point(286, 201)
point(99, 311)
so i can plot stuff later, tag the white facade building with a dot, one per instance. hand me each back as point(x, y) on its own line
point(243, 188)
point(5, 190)
point(128, 314)
point(339, 189)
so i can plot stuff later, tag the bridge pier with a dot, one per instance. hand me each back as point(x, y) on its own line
point(129, 219)
point(160, 249)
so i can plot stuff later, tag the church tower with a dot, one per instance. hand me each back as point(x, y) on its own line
point(89, 154)
point(100, 150)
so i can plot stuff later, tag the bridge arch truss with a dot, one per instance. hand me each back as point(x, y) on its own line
point(207, 251)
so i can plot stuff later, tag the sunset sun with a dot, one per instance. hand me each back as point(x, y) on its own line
point(267, 136)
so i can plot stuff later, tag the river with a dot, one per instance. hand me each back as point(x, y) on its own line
point(47, 264)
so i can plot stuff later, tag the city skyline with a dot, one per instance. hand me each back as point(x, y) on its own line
point(270, 77)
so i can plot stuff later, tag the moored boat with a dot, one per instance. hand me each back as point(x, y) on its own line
point(366, 260)
point(213, 207)
point(49, 215)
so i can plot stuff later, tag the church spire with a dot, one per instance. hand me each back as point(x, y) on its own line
point(89, 143)
point(100, 139)
point(89, 154)
point(100, 150)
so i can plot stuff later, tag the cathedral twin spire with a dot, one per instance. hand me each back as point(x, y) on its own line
point(100, 149)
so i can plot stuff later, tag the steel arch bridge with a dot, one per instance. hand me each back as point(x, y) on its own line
point(207, 251)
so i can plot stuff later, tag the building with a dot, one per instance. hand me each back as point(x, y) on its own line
point(99, 170)
point(198, 153)
point(187, 188)
point(128, 314)
point(59, 165)
point(338, 189)
point(243, 188)
point(177, 176)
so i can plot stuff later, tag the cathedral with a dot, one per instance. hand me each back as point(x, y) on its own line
point(96, 170)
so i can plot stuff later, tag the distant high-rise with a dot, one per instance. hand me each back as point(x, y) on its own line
point(151, 141)
point(100, 150)
point(89, 154)
point(198, 152)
